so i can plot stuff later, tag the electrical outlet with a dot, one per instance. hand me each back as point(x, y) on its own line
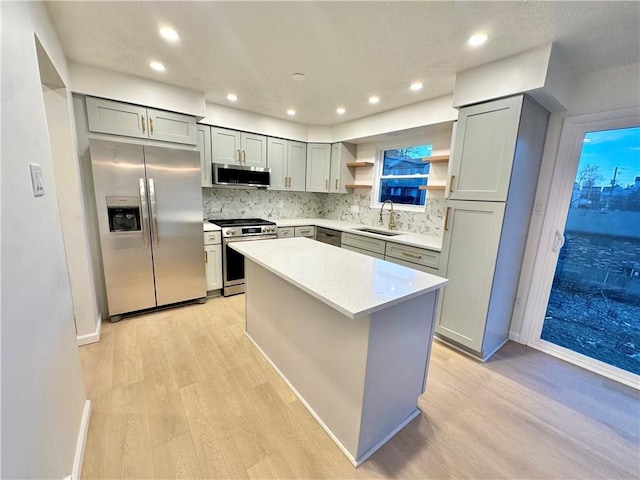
point(36, 180)
point(281, 204)
point(355, 208)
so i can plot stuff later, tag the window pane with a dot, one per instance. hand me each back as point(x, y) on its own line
point(403, 190)
point(406, 161)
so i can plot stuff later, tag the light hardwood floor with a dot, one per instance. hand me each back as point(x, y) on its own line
point(183, 393)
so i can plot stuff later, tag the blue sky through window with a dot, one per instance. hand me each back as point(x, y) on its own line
point(610, 149)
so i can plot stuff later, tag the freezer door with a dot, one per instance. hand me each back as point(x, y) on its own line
point(123, 221)
point(175, 204)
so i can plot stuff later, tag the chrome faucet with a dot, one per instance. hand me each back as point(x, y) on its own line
point(392, 220)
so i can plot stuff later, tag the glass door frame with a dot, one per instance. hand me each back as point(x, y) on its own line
point(573, 131)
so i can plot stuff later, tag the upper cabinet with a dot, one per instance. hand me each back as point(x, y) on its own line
point(238, 148)
point(484, 150)
point(340, 174)
point(287, 161)
point(318, 167)
point(204, 147)
point(116, 118)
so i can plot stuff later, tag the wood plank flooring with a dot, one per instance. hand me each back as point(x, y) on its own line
point(183, 393)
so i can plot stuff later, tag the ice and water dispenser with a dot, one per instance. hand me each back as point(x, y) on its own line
point(124, 214)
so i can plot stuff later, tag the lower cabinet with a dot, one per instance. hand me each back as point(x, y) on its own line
point(285, 232)
point(308, 231)
point(363, 244)
point(414, 257)
point(478, 301)
point(213, 260)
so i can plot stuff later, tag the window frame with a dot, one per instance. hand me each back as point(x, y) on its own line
point(377, 177)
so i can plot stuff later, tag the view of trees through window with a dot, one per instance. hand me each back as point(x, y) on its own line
point(403, 171)
point(594, 306)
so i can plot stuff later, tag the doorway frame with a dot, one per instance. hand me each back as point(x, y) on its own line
point(572, 135)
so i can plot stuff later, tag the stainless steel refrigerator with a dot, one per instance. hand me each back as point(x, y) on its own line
point(149, 204)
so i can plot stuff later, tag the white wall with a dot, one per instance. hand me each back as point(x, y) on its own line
point(142, 91)
point(601, 91)
point(72, 215)
point(42, 390)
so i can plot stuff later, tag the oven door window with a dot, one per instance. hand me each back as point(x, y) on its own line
point(235, 265)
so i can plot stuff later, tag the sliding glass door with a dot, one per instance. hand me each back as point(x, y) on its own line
point(588, 308)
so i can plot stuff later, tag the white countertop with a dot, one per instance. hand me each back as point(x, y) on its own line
point(210, 227)
point(352, 283)
point(405, 238)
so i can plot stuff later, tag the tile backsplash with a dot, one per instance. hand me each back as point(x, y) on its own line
point(430, 222)
point(254, 203)
point(273, 205)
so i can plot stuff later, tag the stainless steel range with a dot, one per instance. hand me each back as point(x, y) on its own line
point(239, 230)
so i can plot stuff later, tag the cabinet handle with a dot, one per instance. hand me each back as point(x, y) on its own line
point(446, 219)
point(417, 257)
point(239, 158)
point(206, 257)
point(244, 157)
point(289, 182)
point(336, 184)
point(150, 124)
point(326, 185)
point(451, 183)
point(144, 124)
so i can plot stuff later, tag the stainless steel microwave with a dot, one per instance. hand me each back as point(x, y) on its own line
point(225, 175)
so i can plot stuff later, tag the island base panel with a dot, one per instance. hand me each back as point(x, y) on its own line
point(345, 371)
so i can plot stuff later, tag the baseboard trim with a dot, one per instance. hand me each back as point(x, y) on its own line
point(91, 337)
point(82, 441)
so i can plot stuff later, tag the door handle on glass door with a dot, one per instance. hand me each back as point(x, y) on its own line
point(145, 216)
point(558, 241)
point(154, 216)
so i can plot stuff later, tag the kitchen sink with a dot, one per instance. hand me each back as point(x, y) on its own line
point(387, 233)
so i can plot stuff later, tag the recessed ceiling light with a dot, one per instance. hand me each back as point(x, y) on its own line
point(291, 112)
point(415, 86)
point(477, 39)
point(374, 99)
point(169, 34)
point(157, 66)
point(298, 77)
point(340, 111)
point(232, 97)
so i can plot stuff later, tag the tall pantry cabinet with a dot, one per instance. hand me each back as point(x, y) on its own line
point(494, 169)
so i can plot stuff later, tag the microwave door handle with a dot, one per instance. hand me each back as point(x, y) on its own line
point(145, 215)
point(154, 216)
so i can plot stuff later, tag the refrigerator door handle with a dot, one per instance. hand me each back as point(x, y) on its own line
point(154, 216)
point(143, 208)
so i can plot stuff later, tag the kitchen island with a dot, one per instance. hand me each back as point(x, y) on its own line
point(350, 334)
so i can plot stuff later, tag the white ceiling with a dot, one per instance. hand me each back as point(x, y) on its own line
point(348, 50)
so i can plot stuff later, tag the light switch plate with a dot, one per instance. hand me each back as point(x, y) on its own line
point(355, 208)
point(36, 180)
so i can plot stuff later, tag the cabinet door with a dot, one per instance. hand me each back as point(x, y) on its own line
point(172, 127)
point(225, 146)
point(469, 253)
point(297, 166)
point(484, 150)
point(334, 173)
point(204, 147)
point(318, 164)
point(340, 175)
point(308, 231)
point(115, 118)
point(277, 159)
point(213, 268)
point(285, 232)
point(254, 150)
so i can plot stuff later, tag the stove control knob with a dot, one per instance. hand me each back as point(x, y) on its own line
point(230, 232)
